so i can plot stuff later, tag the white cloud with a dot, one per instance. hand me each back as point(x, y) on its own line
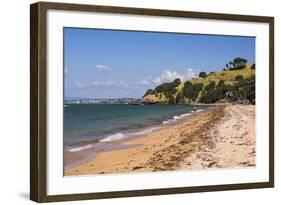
point(168, 75)
point(102, 68)
point(145, 82)
point(123, 83)
point(190, 73)
point(102, 83)
point(156, 80)
point(66, 72)
point(108, 83)
point(79, 85)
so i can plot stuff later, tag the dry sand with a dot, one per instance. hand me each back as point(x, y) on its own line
point(223, 136)
point(229, 144)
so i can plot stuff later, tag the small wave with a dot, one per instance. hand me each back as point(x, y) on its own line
point(166, 122)
point(175, 118)
point(120, 136)
point(114, 137)
point(77, 149)
point(146, 131)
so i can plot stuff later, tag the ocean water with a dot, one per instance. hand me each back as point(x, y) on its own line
point(110, 122)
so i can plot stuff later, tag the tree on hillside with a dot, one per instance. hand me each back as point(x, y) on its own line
point(187, 89)
point(221, 90)
point(202, 74)
point(213, 93)
point(211, 85)
point(169, 90)
point(230, 64)
point(166, 88)
point(180, 98)
point(149, 92)
point(176, 82)
point(191, 91)
point(196, 88)
point(239, 77)
point(239, 63)
point(253, 66)
point(246, 89)
point(171, 99)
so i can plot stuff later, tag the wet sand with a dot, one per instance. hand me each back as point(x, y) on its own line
point(221, 137)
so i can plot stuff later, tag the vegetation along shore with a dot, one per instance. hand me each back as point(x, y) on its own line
point(234, 83)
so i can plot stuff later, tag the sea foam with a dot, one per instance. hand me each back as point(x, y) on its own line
point(146, 131)
point(120, 136)
point(175, 118)
point(77, 149)
point(114, 137)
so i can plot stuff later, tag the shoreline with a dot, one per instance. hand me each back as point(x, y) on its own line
point(180, 146)
point(82, 152)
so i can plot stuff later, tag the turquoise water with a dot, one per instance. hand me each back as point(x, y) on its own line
point(108, 122)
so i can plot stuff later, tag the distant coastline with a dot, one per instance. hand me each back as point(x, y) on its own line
point(76, 100)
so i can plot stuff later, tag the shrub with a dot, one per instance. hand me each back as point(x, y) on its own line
point(203, 74)
point(191, 91)
point(239, 78)
point(180, 98)
point(253, 66)
point(149, 92)
point(176, 82)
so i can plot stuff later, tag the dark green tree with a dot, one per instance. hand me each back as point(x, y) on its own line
point(149, 92)
point(187, 89)
point(239, 78)
point(253, 66)
point(191, 91)
point(171, 99)
point(239, 63)
point(202, 74)
point(176, 82)
point(180, 98)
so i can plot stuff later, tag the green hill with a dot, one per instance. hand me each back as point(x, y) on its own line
point(227, 75)
point(228, 85)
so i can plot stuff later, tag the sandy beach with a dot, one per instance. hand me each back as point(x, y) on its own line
point(220, 137)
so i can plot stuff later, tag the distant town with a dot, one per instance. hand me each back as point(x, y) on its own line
point(132, 101)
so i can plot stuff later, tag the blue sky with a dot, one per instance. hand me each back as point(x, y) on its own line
point(115, 64)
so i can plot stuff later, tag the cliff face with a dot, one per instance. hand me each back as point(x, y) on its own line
point(221, 86)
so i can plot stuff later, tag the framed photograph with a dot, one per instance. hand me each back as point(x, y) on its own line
point(135, 102)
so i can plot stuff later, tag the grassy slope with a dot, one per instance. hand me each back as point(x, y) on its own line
point(228, 76)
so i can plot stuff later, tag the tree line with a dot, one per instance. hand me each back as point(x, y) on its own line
point(242, 89)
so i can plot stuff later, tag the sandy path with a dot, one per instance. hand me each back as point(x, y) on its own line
point(230, 143)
